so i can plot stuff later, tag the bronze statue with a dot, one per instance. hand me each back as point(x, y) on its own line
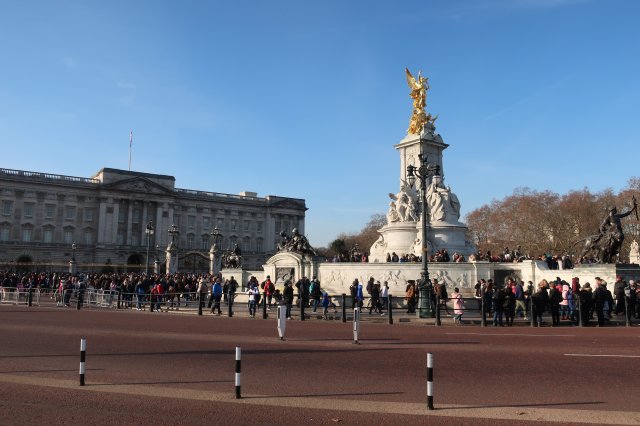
point(418, 93)
point(296, 243)
point(605, 246)
point(232, 258)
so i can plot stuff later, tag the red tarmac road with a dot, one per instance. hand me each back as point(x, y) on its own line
point(159, 368)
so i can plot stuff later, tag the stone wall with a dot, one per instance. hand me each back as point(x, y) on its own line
point(337, 277)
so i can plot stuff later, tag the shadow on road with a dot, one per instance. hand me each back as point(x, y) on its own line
point(174, 382)
point(298, 395)
point(50, 371)
point(550, 404)
point(426, 343)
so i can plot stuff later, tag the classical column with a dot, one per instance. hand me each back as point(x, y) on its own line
point(161, 225)
point(129, 223)
point(102, 222)
point(144, 221)
point(115, 221)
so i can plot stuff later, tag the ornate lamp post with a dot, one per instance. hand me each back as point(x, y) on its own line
point(215, 250)
point(149, 232)
point(172, 250)
point(156, 263)
point(423, 173)
point(173, 231)
point(72, 262)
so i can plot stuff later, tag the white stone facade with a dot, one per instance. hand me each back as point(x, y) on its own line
point(336, 278)
point(42, 214)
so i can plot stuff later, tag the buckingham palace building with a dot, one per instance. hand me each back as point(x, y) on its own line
point(101, 221)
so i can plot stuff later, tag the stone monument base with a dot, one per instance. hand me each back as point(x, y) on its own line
point(452, 237)
point(398, 237)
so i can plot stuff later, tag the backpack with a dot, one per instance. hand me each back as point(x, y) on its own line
point(369, 287)
point(272, 288)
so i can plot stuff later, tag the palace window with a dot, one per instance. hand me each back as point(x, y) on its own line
point(49, 211)
point(5, 231)
point(28, 209)
point(88, 214)
point(70, 213)
point(47, 235)
point(136, 216)
point(7, 208)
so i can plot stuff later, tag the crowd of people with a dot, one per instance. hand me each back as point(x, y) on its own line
point(378, 295)
point(573, 303)
point(562, 301)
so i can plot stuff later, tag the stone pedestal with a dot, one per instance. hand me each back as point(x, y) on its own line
point(156, 266)
point(172, 259)
point(451, 237)
point(398, 237)
point(429, 143)
point(215, 260)
point(402, 234)
point(289, 266)
point(73, 266)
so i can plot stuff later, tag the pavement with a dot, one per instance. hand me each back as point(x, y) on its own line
point(161, 368)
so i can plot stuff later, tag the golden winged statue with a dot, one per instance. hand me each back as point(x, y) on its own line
point(418, 93)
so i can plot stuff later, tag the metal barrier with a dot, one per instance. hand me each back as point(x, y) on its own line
point(19, 296)
point(474, 309)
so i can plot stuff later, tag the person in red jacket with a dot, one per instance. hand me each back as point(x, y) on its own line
point(159, 296)
point(269, 288)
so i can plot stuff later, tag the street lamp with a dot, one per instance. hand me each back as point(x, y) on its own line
point(423, 173)
point(149, 232)
point(214, 252)
point(217, 236)
point(172, 250)
point(72, 262)
point(173, 231)
point(156, 263)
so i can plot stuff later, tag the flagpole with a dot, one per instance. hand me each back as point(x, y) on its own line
point(130, 143)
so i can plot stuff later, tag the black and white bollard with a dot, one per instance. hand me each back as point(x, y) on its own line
point(238, 355)
point(282, 320)
point(356, 324)
point(430, 381)
point(264, 305)
point(83, 353)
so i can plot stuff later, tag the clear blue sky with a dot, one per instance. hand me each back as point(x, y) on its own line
point(306, 99)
